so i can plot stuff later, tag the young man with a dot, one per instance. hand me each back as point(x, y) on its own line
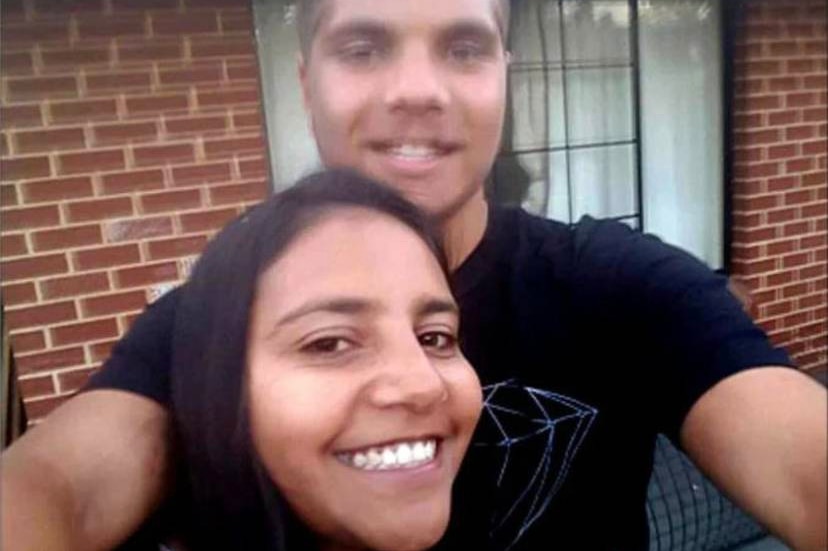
point(589, 340)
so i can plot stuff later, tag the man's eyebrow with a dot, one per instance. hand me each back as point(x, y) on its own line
point(470, 28)
point(358, 27)
point(344, 305)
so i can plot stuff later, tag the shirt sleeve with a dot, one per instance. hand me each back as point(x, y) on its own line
point(141, 361)
point(693, 332)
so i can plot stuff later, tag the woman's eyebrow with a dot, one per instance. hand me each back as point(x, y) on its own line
point(344, 305)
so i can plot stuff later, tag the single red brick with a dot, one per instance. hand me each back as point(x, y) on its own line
point(196, 125)
point(32, 387)
point(813, 211)
point(812, 272)
point(757, 170)
point(21, 116)
point(253, 168)
point(795, 290)
point(171, 201)
point(163, 154)
point(176, 248)
point(71, 381)
point(757, 103)
point(815, 47)
point(142, 5)
point(37, 409)
point(150, 51)
point(16, 63)
point(800, 132)
point(119, 26)
point(236, 22)
point(36, 141)
point(147, 274)
point(136, 180)
point(19, 293)
point(78, 333)
point(787, 48)
point(784, 84)
point(228, 98)
point(24, 168)
point(783, 118)
point(83, 110)
point(796, 228)
point(73, 286)
point(91, 161)
point(202, 173)
point(126, 132)
point(45, 314)
point(113, 304)
point(30, 217)
point(222, 47)
point(796, 166)
point(798, 197)
point(99, 209)
point(779, 279)
point(778, 308)
point(237, 72)
point(188, 23)
point(28, 342)
point(13, 245)
point(36, 31)
point(171, 77)
point(814, 114)
point(130, 230)
point(66, 238)
point(742, 252)
point(106, 257)
point(814, 82)
point(27, 268)
point(757, 137)
point(72, 57)
point(57, 189)
point(795, 260)
point(157, 103)
point(123, 80)
point(781, 215)
point(238, 193)
point(30, 88)
point(100, 351)
point(207, 220)
point(81, 7)
point(782, 151)
point(53, 359)
point(228, 147)
point(746, 220)
point(801, 99)
point(813, 241)
point(8, 195)
point(779, 248)
point(248, 120)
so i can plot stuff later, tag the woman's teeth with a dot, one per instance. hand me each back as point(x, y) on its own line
point(404, 455)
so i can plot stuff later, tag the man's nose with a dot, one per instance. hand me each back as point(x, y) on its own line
point(417, 83)
point(408, 379)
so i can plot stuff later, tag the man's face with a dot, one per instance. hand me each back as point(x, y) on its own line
point(410, 92)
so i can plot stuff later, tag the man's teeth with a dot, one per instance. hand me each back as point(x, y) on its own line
point(414, 151)
point(405, 455)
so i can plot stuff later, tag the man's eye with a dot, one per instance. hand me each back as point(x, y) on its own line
point(327, 345)
point(362, 52)
point(439, 341)
point(466, 51)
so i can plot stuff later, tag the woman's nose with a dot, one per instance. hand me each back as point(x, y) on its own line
point(410, 379)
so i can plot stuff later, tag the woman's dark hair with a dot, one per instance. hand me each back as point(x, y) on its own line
point(231, 502)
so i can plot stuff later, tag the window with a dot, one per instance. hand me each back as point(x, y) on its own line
point(615, 110)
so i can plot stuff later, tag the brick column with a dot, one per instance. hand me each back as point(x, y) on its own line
point(131, 131)
point(780, 189)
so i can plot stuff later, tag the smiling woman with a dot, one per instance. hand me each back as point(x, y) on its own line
point(320, 395)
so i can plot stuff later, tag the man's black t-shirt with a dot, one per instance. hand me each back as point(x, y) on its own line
point(588, 340)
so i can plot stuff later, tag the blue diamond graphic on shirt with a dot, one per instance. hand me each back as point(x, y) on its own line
point(535, 435)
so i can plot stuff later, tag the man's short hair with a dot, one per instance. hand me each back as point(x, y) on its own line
point(309, 11)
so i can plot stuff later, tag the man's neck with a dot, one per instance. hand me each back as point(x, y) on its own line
point(464, 230)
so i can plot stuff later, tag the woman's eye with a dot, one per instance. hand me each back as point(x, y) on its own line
point(439, 341)
point(327, 345)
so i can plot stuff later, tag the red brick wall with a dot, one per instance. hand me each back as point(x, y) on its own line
point(130, 131)
point(780, 188)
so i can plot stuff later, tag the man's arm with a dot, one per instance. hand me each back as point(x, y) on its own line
point(88, 476)
point(761, 436)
